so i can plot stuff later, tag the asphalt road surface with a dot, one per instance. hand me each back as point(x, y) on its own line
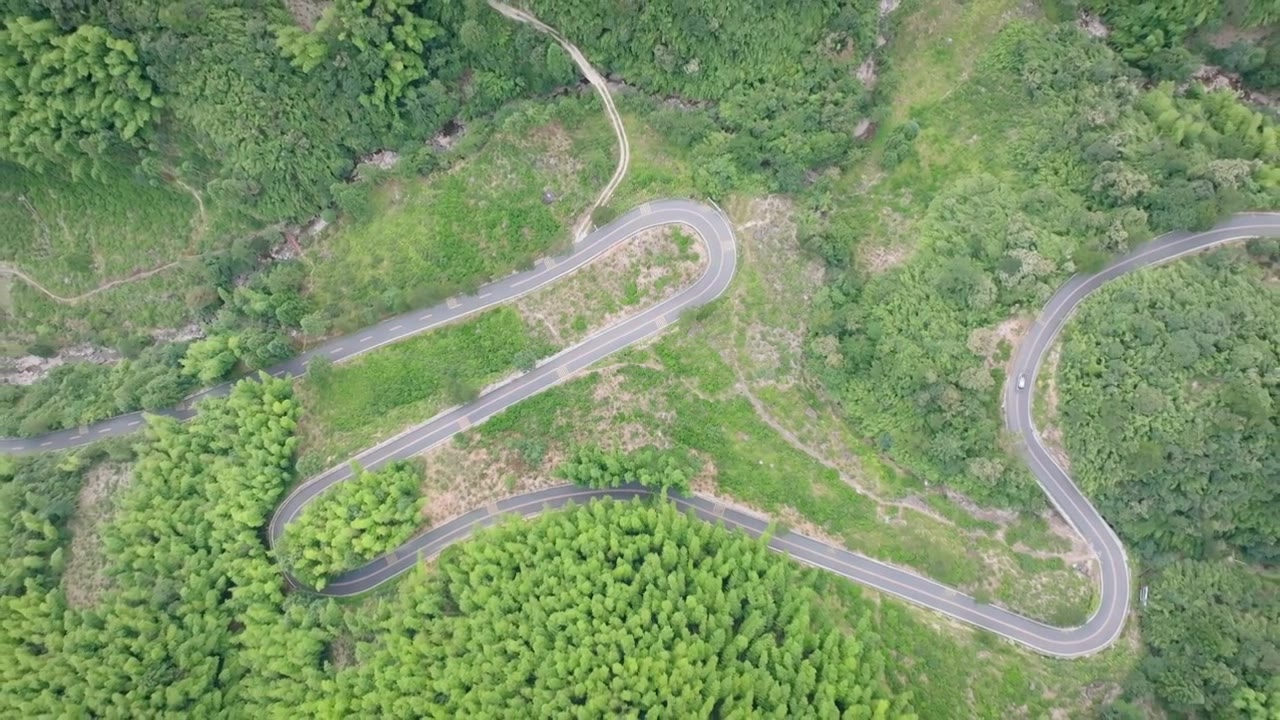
point(713, 229)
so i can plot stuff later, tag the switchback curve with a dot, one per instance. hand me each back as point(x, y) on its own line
point(714, 230)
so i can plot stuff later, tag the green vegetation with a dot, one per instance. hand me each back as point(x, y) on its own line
point(195, 620)
point(617, 609)
point(1171, 424)
point(1212, 631)
point(1040, 163)
point(426, 239)
point(350, 406)
point(195, 600)
point(250, 331)
point(1167, 411)
point(652, 468)
point(688, 402)
point(783, 77)
point(241, 85)
point(68, 233)
point(81, 393)
point(68, 95)
point(1157, 35)
point(358, 520)
point(1001, 172)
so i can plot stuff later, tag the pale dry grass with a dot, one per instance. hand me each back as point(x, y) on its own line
point(771, 302)
point(85, 580)
point(460, 478)
point(306, 12)
point(637, 273)
point(1050, 432)
point(876, 259)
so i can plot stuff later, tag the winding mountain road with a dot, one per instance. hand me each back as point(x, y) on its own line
point(1098, 632)
point(714, 230)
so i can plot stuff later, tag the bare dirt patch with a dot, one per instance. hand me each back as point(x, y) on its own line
point(558, 159)
point(879, 258)
point(306, 12)
point(84, 579)
point(462, 477)
point(639, 272)
point(772, 302)
point(458, 479)
point(342, 651)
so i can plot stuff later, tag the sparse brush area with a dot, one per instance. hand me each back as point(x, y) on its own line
point(512, 194)
point(716, 388)
point(353, 405)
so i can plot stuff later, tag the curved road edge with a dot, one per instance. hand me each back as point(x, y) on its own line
point(1115, 583)
point(1097, 633)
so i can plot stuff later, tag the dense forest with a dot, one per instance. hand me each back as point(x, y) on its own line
point(231, 93)
point(659, 470)
point(360, 519)
point(1098, 164)
point(610, 610)
point(783, 76)
point(1170, 38)
point(1169, 411)
point(693, 619)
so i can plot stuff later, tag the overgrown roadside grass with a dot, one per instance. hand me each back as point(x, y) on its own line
point(975, 674)
point(352, 406)
point(509, 200)
point(730, 386)
point(647, 267)
point(85, 578)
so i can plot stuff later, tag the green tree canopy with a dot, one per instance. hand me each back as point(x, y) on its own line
point(69, 95)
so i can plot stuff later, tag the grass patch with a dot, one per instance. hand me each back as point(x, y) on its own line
point(72, 235)
point(935, 45)
point(509, 199)
point(351, 406)
point(938, 663)
point(1033, 531)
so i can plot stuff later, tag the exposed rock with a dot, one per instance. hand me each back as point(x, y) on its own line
point(864, 129)
point(186, 333)
point(306, 12)
point(1092, 25)
point(382, 160)
point(1212, 77)
point(448, 135)
point(866, 72)
point(30, 369)
point(315, 227)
